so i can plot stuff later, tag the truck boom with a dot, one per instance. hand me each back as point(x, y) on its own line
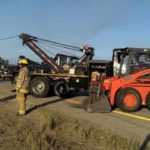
point(29, 41)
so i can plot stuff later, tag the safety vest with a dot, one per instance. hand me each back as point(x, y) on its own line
point(22, 81)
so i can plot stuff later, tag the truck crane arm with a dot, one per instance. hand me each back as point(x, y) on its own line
point(88, 54)
point(30, 42)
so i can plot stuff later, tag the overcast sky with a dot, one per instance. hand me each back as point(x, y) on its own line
point(104, 24)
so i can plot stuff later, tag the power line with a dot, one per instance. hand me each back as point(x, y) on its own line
point(10, 37)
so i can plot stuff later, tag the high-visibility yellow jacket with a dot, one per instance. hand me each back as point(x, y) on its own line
point(22, 81)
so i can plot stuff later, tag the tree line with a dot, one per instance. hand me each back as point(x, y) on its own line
point(3, 62)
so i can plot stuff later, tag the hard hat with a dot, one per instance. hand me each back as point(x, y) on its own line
point(23, 61)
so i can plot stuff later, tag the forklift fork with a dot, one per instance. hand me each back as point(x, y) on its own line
point(98, 101)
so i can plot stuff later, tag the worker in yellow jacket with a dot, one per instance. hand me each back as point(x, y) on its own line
point(22, 86)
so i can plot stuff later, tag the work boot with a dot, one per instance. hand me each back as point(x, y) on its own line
point(21, 113)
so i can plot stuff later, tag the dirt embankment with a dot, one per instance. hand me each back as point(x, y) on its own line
point(44, 129)
point(56, 131)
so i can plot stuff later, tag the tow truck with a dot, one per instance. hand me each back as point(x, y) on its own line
point(66, 78)
point(69, 74)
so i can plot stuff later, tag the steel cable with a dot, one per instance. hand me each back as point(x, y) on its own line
point(46, 49)
point(75, 48)
point(54, 48)
point(7, 38)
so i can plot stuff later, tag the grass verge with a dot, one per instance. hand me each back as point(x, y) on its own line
point(63, 132)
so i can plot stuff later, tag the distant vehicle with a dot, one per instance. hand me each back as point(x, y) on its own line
point(7, 72)
point(10, 71)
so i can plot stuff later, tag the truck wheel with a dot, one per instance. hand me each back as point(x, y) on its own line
point(61, 89)
point(39, 87)
point(148, 101)
point(73, 93)
point(3, 78)
point(128, 99)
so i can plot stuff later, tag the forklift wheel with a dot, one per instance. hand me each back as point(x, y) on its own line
point(148, 101)
point(128, 100)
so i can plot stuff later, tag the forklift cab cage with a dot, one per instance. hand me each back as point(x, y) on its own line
point(129, 60)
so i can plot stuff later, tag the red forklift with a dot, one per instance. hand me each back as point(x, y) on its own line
point(127, 85)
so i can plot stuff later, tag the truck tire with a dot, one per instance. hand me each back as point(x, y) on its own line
point(128, 100)
point(51, 92)
point(3, 78)
point(148, 101)
point(61, 89)
point(39, 87)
